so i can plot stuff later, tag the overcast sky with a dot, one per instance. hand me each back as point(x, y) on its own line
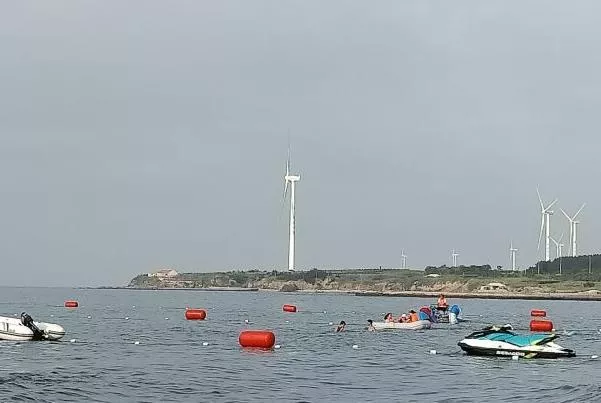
point(142, 134)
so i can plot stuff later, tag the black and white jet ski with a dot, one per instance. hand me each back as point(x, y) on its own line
point(501, 341)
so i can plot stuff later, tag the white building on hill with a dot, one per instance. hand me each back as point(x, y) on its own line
point(164, 273)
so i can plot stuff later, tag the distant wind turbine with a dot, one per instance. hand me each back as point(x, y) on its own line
point(404, 258)
point(558, 246)
point(573, 224)
point(512, 252)
point(454, 256)
point(292, 179)
point(545, 224)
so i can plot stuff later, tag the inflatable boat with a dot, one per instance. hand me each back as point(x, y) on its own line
point(417, 325)
point(25, 329)
point(502, 342)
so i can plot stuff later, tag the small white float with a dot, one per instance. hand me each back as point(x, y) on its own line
point(417, 325)
point(25, 329)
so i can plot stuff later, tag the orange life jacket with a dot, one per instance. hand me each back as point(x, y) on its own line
point(414, 317)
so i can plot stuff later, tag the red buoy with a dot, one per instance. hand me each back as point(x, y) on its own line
point(289, 308)
point(257, 339)
point(541, 325)
point(196, 314)
point(71, 304)
point(538, 312)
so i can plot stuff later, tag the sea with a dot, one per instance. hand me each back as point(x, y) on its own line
point(137, 346)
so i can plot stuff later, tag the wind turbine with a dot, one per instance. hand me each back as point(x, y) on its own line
point(512, 252)
point(558, 246)
point(454, 256)
point(545, 224)
point(573, 224)
point(292, 179)
point(404, 257)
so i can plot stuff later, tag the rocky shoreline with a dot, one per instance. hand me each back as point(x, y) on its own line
point(559, 296)
point(477, 295)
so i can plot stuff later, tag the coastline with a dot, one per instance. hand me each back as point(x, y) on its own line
point(559, 296)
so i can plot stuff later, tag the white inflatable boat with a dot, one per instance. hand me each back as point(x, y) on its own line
point(417, 325)
point(25, 329)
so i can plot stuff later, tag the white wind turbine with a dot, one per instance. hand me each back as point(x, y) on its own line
point(454, 256)
point(573, 224)
point(404, 258)
point(292, 179)
point(558, 246)
point(545, 224)
point(512, 252)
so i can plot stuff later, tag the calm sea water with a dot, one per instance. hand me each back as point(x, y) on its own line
point(99, 361)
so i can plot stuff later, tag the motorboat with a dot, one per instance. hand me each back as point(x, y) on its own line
point(501, 341)
point(25, 329)
point(417, 325)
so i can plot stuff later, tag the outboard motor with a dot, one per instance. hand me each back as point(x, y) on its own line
point(27, 320)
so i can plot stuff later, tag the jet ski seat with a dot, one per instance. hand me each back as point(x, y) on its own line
point(521, 340)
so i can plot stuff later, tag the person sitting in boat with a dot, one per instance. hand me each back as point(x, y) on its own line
point(413, 316)
point(403, 318)
point(388, 317)
point(442, 303)
point(341, 326)
point(370, 326)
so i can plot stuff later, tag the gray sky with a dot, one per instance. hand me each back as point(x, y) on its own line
point(141, 134)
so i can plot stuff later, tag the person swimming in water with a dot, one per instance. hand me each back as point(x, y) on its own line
point(370, 326)
point(341, 326)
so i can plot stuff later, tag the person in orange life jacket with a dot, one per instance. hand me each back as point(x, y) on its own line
point(413, 316)
point(442, 303)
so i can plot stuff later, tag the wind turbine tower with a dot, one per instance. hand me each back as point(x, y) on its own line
point(454, 256)
point(573, 224)
point(512, 252)
point(545, 224)
point(404, 258)
point(292, 179)
point(558, 246)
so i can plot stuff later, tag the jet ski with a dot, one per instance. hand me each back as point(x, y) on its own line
point(501, 341)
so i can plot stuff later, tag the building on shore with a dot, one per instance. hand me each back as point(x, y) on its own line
point(164, 273)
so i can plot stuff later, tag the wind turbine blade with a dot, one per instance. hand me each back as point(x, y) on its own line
point(551, 205)
point(288, 164)
point(560, 238)
point(578, 212)
point(540, 235)
point(566, 214)
point(542, 206)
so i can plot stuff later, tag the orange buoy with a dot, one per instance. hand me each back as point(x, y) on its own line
point(196, 314)
point(71, 304)
point(538, 312)
point(289, 308)
point(257, 339)
point(541, 325)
